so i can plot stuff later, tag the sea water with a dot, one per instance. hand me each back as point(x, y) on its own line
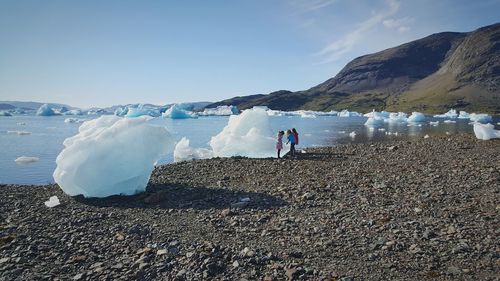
point(46, 135)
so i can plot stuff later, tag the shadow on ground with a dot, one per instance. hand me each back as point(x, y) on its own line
point(175, 196)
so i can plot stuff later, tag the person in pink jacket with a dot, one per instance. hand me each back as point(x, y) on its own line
point(279, 142)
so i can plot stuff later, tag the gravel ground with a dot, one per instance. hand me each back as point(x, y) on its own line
point(414, 209)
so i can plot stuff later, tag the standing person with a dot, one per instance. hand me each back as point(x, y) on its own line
point(296, 135)
point(291, 139)
point(279, 142)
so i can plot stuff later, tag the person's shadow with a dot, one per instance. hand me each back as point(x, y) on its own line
point(177, 196)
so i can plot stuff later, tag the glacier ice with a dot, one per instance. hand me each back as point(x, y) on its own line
point(248, 134)
point(26, 159)
point(45, 110)
point(449, 121)
point(75, 120)
point(180, 111)
point(434, 123)
point(222, 110)
point(52, 202)
point(5, 113)
point(485, 131)
point(111, 155)
point(416, 117)
point(184, 152)
point(399, 117)
point(73, 112)
point(352, 134)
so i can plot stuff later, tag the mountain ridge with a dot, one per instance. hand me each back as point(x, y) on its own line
point(431, 74)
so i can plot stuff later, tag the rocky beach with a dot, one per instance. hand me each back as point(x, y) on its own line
point(407, 209)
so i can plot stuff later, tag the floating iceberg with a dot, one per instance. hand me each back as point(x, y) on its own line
point(375, 114)
point(434, 123)
point(5, 114)
point(399, 117)
point(110, 156)
point(222, 110)
point(45, 110)
point(73, 112)
point(346, 113)
point(352, 134)
point(140, 110)
point(450, 121)
point(26, 160)
point(248, 134)
point(463, 115)
point(183, 152)
point(179, 111)
point(452, 113)
point(416, 117)
point(376, 119)
point(481, 118)
point(485, 131)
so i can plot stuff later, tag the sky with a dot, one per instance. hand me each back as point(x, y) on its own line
point(100, 53)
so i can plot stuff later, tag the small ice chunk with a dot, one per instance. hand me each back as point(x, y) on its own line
point(426, 136)
point(26, 159)
point(449, 121)
point(434, 123)
point(53, 201)
point(381, 129)
point(74, 120)
point(352, 134)
point(21, 124)
point(486, 131)
point(246, 199)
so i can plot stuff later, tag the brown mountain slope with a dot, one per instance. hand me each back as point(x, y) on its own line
point(432, 74)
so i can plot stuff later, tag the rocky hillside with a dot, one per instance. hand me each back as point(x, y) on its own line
point(432, 74)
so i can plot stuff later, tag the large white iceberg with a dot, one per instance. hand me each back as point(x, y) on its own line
point(222, 110)
point(248, 134)
point(416, 117)
point(485, 131)
point(179, 111)
point(110, 156)
point(45, 110)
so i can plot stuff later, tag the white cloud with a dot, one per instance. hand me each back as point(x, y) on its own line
point(311, 5)
point(400, 25)
point(335, 50)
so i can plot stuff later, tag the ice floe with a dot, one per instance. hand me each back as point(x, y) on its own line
point(111, 155)
point(184, 152)
point(26, 159)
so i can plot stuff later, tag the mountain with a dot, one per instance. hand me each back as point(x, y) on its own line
point(27, 105)
point(433, 74)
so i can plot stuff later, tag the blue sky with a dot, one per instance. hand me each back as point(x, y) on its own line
point(100, 53)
